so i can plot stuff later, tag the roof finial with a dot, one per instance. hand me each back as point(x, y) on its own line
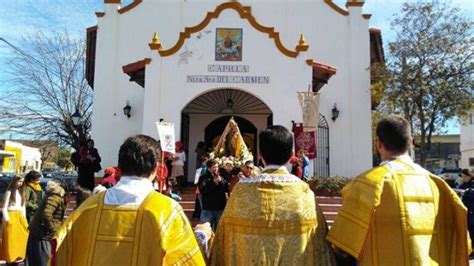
point(155, 42)
point(302, 44)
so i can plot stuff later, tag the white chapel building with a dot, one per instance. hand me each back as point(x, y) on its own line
point(196, 63)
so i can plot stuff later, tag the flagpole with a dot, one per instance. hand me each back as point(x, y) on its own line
point(162, 170)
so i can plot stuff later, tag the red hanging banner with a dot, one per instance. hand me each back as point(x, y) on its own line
point(305, 140)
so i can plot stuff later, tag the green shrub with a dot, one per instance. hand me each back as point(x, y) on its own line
point(332, 184)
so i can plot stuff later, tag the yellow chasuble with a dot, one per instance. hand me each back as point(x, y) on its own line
point(155, 233)
point(271, 220)
point(400, 214)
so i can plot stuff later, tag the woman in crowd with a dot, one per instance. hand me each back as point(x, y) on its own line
point(33, 193)
point(177, 165)
point(15, 226)
point(466, 179)
point(88, 165)
point(45, 223)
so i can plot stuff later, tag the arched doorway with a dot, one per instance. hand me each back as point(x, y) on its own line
point(205, 117)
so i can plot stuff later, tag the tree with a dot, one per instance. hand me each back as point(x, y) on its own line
point(430, 68)
point(63, 159)
point(47, 85)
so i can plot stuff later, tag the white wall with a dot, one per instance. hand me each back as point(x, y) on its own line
point(31, 158)
point(340, 41)
point(467, 141)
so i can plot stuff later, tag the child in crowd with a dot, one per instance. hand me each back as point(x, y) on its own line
point(15, 226)
point(177, 165)
point(33, 193)
point(111, 177)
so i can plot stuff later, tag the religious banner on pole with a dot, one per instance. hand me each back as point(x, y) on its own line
point(305, 140)
point(309, 101)
point(166, 133)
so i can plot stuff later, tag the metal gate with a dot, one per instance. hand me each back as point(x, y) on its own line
point(321, 162)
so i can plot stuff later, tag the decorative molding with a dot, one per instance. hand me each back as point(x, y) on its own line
point(136, 65)
point(99, 14)
point(112, 1)
point(245, 13)
point(93, 28)
point(336, 8)
point(367, 16)
point(321, 67)
point(129, 6)
point(354, 4)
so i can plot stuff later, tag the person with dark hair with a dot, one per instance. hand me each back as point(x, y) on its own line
point(14, 224)
point(273, 218)
point(82, 195)
point(399, 213)
point(33, 193)
point(200, 152)
point(466, 191)
point(130, 223)
point(44, 225)
point(213, 188)
point(88, 165)
point(199, 172)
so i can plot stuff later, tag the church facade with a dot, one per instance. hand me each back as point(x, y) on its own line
point(198, 63)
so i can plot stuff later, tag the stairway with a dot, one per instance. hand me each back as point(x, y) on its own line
point(329, 205)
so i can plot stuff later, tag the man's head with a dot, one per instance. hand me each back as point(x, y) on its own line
point(90, 143)
point(247, 168)
point(212, 166)
point(139, 155)
point(275, 144)
point(393, 136)
point(466, 176)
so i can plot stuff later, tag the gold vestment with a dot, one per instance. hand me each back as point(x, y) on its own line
point(271, 220)
point(400, 214)
point(155, 233)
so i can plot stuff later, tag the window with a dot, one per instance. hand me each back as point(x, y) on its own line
point(471, 161)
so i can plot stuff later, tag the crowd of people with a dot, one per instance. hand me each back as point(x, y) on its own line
point(396, 213)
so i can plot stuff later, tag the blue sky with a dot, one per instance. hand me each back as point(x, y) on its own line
point(19, 17)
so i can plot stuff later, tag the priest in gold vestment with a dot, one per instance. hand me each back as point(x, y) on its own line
point(398, 213)
point(129, 224)
point(272, 219)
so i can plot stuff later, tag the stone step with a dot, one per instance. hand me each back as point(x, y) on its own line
point(329, 205)
point(329, 200)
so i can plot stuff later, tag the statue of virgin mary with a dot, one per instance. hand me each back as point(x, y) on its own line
point(231, 142)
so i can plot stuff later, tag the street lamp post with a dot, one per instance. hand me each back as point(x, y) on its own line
point(76, 118)
point(76, 123)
